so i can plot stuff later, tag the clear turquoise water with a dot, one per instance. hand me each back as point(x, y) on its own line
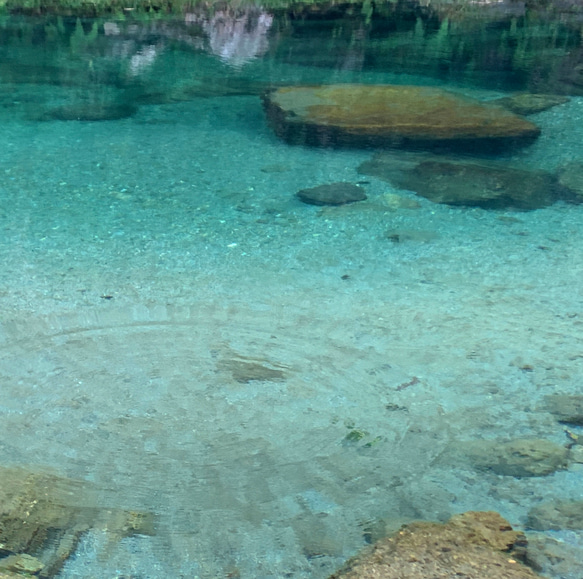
point(146, 260)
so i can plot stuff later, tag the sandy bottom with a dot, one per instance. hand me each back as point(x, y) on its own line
point(152, 267)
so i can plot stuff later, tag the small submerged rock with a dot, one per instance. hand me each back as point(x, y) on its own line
point(518, 458)
point(567, 408)
point(245, 370)
point(332, 194)
point(415, 235)
point(529, 103)
point(571, 176)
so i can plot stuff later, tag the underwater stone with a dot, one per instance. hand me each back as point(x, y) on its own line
point(245, 371)
point(390, 115)
point(518, 458)
point(486, 185)
point(553, 556)
point(332, 194)
point(529, 103)
point(472, 545)
point(556, 516)
point(566, 408)
point(571, 176)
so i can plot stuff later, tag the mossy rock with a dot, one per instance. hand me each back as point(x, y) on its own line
point(392, 115)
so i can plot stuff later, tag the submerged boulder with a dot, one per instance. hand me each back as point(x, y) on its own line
point(517, 458)
point(472, 545)
point(474, 184)
point(392, 115)
point(567, 408)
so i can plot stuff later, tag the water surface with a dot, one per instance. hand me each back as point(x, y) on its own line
point(275, 379)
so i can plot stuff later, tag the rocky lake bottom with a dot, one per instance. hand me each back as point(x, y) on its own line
point(280, 382)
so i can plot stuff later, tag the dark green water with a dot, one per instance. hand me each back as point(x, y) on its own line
point(279, 382)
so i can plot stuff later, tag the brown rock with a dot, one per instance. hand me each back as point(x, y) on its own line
point(469, 546)
point(529, 104)
point(247, 370)
point(390, 115)
point(332, 194)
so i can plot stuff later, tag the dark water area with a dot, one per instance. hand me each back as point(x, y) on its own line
point(499, 46)
point(275, 281)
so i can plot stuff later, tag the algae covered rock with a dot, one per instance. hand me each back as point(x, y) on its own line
point(571, 176)
point(472, 545)
point(394, 116)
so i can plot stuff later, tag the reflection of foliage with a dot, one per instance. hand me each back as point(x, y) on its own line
point(454, 9)
point(498, 45)
point(506, 49)
point(80, 39)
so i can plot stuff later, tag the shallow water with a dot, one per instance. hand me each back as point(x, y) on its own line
point(271, 378)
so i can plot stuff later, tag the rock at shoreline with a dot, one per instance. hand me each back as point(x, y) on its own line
point(394, 116)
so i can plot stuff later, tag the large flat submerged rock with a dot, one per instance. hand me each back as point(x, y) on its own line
point(394, 116)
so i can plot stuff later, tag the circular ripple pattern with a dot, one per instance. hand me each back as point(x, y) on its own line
point(268, 441)
point(244, 433)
